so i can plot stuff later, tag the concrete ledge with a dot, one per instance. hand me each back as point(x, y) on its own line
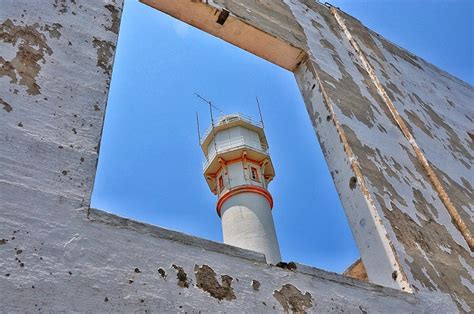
point(239, 31)
point(99, 216)
point(345, 280)
point(373, 292)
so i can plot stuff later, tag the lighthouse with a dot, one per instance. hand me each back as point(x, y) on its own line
point(238, 169)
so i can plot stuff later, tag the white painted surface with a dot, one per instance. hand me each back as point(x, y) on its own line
point(371, 238)
point(234, 137)
point(52, 258)
point(247, 222)
point(238, 174)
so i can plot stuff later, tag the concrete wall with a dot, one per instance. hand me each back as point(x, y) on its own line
point(398, 120)
point(396, 132)
point(55, 254)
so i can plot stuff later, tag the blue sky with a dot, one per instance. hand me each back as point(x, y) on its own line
point(150, 163)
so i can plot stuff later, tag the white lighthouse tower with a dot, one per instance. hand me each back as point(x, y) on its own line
point(238, 170)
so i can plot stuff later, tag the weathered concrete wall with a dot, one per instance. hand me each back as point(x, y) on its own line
point(107, 263)
point(397, 134)
point(55, 68)
point(393, 127)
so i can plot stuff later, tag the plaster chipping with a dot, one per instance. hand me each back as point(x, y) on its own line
point(31, 47)
point(6, 106)
point(421, 157)
point(291, 298)
point(206, 280)
point(371, 252)
point(53, 248)
point(181, 276)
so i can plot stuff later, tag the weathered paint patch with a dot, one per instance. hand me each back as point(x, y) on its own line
point(105, 51)
point(162, 273)
point(63, 5)
point(115, 18)
point(181, 276)
point(53, 30)
point(390, 165)
point(255, 285)
point(38, 197)
point(31, 48)
point(206, 280)
point(292, 299)
point(374, 244)
point(6, 106)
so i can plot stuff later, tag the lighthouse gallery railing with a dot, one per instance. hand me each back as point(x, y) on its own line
point(230, 144)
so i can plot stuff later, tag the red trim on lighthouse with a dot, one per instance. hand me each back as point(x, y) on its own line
point(243, 189)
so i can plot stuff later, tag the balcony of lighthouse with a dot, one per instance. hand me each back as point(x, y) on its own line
point(230, 149)
point(234, 137)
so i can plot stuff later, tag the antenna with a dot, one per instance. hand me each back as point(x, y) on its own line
point(199, 132)
point(198, 128)
point(259, 111)
point(212, 117)
point(209, 102)
point(210, 111)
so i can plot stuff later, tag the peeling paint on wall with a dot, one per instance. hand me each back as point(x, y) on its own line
point(395, 120)
point(292, 299)
point(206, 280)
point(31, 47)
point(55, 66)
point(105, 51)
point(181, 276)
point(6, 106)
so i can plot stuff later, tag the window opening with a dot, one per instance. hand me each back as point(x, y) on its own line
point(147, 148)
point(221, 183)
point(254, 174)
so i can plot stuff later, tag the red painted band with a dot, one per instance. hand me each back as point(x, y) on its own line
point(233, 161)
point(243, 189)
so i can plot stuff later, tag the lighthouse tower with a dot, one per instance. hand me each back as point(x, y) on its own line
point(238, 170)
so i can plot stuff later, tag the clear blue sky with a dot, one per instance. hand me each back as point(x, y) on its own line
point(150, 161)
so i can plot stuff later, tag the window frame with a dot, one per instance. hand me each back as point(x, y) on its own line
point(252, 169)
point(221, 183)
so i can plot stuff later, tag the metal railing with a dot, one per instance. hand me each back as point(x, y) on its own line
point(232, 118)
point(231, 144)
